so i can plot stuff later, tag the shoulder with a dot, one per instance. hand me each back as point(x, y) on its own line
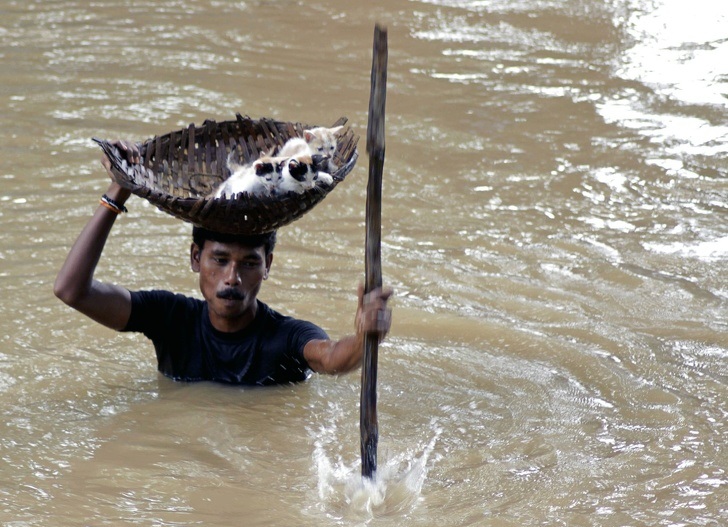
point(162, 296)
point(289, 333)
point(287, 322)
point(161, 299)
point(160, 305)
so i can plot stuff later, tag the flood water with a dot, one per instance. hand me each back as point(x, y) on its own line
point(555, 226)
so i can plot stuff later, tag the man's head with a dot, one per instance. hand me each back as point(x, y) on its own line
point(232, 269)
point(267, 240)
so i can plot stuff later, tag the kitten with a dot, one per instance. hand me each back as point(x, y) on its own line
point(302, 172)
point(315, 141)
point(260, 178)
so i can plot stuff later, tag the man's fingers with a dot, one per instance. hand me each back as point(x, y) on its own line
point(378, 295)
point(380, 321)
point(373, 316)
point(130, 149)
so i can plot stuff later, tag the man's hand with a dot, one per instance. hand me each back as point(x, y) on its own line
point(116, 192)
point(372, 314)
point(341, 356)
point(130, 150)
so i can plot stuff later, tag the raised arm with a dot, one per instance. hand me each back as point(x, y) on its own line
point(75, 285)
point(342, 356)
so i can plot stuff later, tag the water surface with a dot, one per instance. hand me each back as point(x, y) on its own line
point(555, 210)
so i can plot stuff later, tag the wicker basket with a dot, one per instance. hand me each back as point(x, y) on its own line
point(180, 169)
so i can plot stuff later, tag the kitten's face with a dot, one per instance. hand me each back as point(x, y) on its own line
point(268, 170)
point(304, 169)
point(322, 141)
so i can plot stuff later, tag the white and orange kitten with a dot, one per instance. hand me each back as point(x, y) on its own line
point(315, 141)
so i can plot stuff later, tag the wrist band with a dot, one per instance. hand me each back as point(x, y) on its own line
point(112, 205)
point(112, 209)
point(118, 208)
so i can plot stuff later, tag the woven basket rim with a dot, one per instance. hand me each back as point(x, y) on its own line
point(179, 169)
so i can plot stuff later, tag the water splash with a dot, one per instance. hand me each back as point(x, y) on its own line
point(394, 491)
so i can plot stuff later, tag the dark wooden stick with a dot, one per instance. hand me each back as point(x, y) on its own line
point(373, 265)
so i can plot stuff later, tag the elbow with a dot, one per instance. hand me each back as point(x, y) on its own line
point(332, 358)
point(325, 365)
point(62, 294)
point(65, 293)
point(336, 365)
point(331, 368)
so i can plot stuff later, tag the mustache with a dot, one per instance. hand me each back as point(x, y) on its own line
point(230, 294)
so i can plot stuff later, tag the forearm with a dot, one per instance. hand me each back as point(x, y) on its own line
point(335, 357)
point(75, 279)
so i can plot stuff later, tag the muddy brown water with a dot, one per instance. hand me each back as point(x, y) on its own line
point(555, 228)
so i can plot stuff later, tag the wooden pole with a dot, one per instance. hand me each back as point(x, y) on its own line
point(373, 266)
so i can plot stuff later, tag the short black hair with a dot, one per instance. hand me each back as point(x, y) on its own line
point(266, 240)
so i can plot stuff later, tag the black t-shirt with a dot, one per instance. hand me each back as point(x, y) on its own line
point(189, 348)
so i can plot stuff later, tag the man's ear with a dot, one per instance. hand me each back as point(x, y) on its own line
point(195, 257)
point(268, 262)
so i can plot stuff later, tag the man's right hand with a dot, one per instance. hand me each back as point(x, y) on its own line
point(130, 149)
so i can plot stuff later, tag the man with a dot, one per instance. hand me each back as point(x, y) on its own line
point(230, 336)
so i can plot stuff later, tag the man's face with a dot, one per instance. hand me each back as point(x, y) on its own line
point(230, 278)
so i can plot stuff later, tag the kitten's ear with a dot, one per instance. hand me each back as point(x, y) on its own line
point(320, 162)
point(232, 163)
point(297, 170)
point(263, 167)
point(336, 129)
point(308, 135)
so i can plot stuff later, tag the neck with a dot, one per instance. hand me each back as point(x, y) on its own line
point(233, 324)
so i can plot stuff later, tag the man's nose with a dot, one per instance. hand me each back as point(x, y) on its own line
point(232, 276)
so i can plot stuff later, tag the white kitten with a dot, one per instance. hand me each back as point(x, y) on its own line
point(260, 178)
point(302, 172)
point(315, 141)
